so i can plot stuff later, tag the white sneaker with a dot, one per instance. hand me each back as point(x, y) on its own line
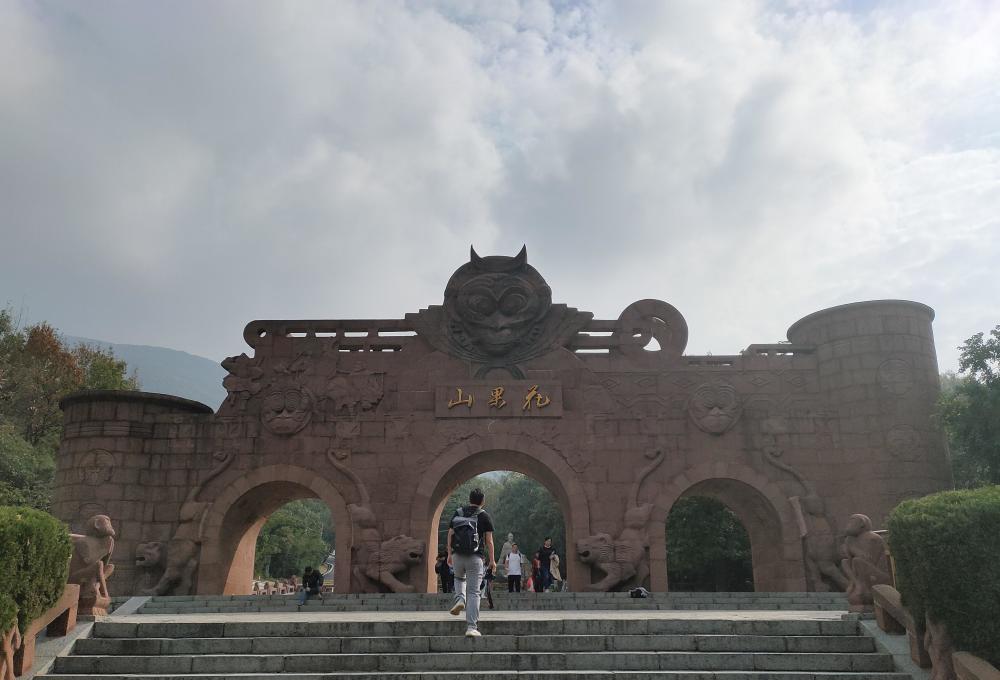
point(472, 632)
point(458, 608)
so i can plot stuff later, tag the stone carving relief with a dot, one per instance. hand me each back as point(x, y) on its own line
point(866, 562)
point(625, 559)
point(287, 409)
point(895, 376)
point(375, 563)
point(715, 407)
point(904, 443)
point(646, 320)
point(355, 392)
point(939, 648)
point(96, 467)
point(169, 566)
point(498, 313)
point(242, 381)
point(90, 566)
point(823, 569)
point(392, 557)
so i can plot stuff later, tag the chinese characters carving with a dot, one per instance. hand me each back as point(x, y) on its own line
point(490, 400)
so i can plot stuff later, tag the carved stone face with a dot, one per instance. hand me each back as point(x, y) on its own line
point(715, 407)
point(286, 410)
point(497, 301)
point(100, 526)
point(149, 555)
point(857, 525)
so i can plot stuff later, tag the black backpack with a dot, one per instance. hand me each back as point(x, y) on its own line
point(465, 532)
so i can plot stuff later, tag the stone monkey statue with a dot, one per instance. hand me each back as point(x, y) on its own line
point(90, 565)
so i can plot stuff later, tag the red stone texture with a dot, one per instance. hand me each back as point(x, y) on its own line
point(349, 412)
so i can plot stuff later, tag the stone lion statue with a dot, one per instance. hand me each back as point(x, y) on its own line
point(623, 560)
point(393, 556)
point(173, 564)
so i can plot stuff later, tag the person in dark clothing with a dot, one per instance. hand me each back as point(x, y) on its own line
point(536, 574)
point(544, 564)
point(445, 572)
point(312, 582)
point(470, 553)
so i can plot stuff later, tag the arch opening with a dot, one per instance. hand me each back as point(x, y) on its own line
point(744, 505)
point(708, 548)
point(233, 523)
point(524, 512)
point(543, 466)
point(245, 520)
point(298, 534)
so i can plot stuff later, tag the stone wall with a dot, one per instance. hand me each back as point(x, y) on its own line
point(374, 417)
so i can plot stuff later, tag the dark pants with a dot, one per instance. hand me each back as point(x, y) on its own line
point(545, 576)
point(514, 583)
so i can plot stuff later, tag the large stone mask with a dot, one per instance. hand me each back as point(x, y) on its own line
point(496, 302)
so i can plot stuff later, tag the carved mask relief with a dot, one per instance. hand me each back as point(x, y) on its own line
point(286, 410)
point(495, 303)
point(715, 407)
point(96, 467)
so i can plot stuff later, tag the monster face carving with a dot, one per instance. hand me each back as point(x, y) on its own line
point(715, 407)
point(496, 302)
point(286, 410)
point(497, 313)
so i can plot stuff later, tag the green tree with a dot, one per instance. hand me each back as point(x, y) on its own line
point(708, 549)
point(295, 536)
point(969, 408)
point(37, 369)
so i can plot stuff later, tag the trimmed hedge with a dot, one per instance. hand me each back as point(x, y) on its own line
point(34, 561)
point(947, 552)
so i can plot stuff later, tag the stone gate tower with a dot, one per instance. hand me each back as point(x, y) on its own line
point(381, 419)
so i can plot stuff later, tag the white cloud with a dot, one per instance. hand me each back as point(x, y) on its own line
point(171, 171)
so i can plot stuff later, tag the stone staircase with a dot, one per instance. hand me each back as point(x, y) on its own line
point(554, 645)
point(504, 602)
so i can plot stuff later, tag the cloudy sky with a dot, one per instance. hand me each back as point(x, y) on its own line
point(170, 171)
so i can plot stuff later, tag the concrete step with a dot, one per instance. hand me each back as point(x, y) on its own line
point(853, 644)
point(504, 601)
point(515, 675)
point(197, 664)
point(529, 626)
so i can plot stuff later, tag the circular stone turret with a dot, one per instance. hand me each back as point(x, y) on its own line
point(878, 368)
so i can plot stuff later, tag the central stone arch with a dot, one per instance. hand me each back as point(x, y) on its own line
point(234, 520)
point(484, 454)
point(762, 508)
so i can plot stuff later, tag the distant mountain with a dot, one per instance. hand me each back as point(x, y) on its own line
point(169, 371)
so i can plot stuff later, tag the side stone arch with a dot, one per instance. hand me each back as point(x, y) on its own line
point(233, 521)
point(761, 506)
point(519, 453)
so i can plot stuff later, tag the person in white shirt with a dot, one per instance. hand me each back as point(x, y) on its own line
point(513, 567)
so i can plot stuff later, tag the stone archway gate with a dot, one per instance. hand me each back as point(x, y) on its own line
point(379, 418)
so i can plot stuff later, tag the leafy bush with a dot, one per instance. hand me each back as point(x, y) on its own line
point(34, 561)
point(947, 552)
point(8, 613)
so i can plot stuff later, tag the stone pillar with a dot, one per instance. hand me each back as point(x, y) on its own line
point(125, 455)
point(878, 369)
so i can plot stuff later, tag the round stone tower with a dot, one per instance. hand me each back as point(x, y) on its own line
point(878, 368)
point(128, 455)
